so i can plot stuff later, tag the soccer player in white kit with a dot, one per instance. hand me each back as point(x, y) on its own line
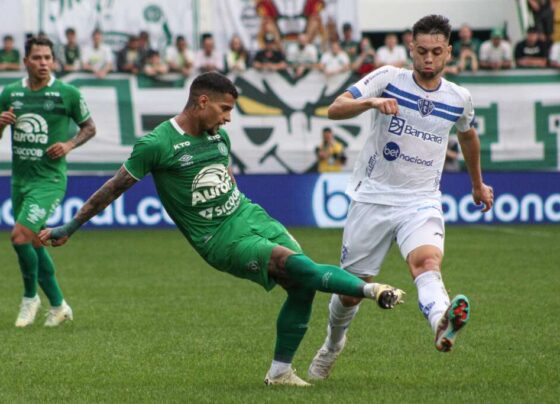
point(395, 184)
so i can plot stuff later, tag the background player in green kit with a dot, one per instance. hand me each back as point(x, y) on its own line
point(39, 109)
point(189, 158)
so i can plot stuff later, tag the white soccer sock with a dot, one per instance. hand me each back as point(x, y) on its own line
point(340, 318)
point(432, 296)
point(278, 368)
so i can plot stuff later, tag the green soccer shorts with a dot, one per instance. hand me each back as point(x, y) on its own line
point(243, 245)
point(33, 204)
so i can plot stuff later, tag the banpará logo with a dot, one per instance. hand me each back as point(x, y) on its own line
point(392, 151)
point(398, 126)
point(425, 107)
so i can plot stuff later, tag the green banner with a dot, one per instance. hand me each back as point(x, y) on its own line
point(277, 122)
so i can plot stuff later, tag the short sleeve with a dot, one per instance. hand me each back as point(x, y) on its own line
point(79, 110)
point(467, 120)
point(374, 83)
point(4, 100)
point(144, 158)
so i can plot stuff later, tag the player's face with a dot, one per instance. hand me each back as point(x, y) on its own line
point(39, 63)
point(429, 55)
point(217, 112)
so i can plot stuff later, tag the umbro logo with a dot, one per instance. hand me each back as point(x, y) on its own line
point(186, 160)
point(438, 234)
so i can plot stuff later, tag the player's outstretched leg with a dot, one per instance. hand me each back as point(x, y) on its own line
point(454, 319)
point(333, 279)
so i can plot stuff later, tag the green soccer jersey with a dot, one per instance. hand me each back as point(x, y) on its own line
point(191, 178)
point(43, 118)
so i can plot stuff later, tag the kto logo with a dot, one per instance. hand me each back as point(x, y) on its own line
point(391, 151)
point(396, 125)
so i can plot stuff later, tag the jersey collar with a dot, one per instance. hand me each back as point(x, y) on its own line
point(176, 126)
point(25, 81)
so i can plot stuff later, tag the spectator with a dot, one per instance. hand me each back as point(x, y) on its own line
point(391, 53)
point(131, 58)
point(465, 50)
point(452, 163)
point(495, 53)
point(269, 58)
point(208, 59)
point(406, 40)
point(543, 17)
point(555, 55)
point(348, 43)
point(365, 62)
point(269, 28)
point(154, 66)
point(334, 61)
point(97, 59)
point(330, 153)
point(9, 56)
point(332, 30)
point(179, 57)
point(144, 39)
point(315, 30)
point(302, 56)
point(237, 57)
point(70, 55)
point(531, 52)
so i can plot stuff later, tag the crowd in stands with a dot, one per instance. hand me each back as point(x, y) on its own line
point(318, 47)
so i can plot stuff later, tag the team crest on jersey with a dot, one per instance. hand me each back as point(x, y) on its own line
point(425, 107)
point(48, 105)
point(222, 148)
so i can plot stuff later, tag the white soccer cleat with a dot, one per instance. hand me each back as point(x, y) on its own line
point(58, 315)
point(322, 364)
point(386, 296)
point(288, 378)
point(28, 311)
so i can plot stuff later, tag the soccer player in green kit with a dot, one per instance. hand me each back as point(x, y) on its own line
point(189, 158)
point(39, 109)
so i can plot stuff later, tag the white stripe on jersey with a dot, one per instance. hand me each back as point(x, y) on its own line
point(403, 156)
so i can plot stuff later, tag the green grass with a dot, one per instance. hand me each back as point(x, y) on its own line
point(154, 323)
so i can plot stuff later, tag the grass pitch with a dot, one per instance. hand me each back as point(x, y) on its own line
point(154, 323)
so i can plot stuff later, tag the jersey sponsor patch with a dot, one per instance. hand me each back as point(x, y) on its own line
point(210, 183)
point(392, 151)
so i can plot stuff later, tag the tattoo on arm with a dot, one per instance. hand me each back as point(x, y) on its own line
point(103, 197)
point(86, 132)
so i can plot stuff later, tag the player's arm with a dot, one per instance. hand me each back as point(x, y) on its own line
point(346, 106)
point(86, 132)
point(7, 118)
point(470, 146)
point(102, 198)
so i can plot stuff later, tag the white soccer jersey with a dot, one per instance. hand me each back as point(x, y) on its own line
point(403, 156)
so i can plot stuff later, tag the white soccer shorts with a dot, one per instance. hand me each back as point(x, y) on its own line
point(371, 228)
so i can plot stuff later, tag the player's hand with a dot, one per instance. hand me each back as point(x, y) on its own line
point(58, 150)
point(485, 195)
point(387, 106)
point(8, 117)
point(55, 236)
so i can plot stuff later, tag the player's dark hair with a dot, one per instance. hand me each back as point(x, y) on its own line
point(8, 37)
point(433, 25)
point(38, 42)
point(211, 82)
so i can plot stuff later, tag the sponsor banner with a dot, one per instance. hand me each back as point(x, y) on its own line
point(314, 200)
point(277, 121)
point(162, 19)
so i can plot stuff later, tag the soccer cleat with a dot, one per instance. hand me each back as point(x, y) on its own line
point(28, 311)
point(57, 315)
point(454, 318)
point(322, 364)
point(387, 297)
point(288, 378)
